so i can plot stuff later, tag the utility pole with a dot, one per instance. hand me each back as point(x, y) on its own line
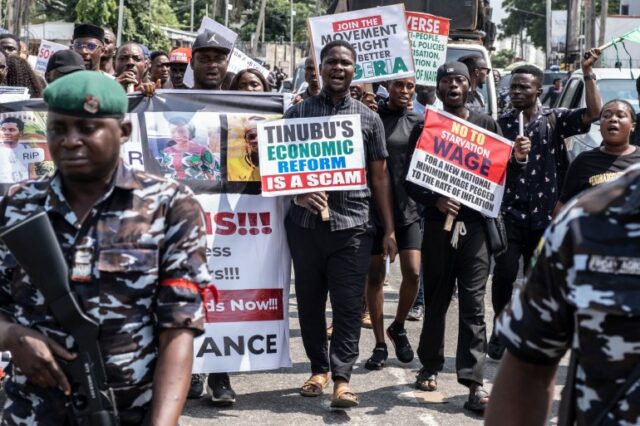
point(590, 24)
point(226, 13)
point(573, 31)
point(120, 21)
point(293, 56)
point(259, 27)
point(548, 19)
point(191, 14)
point(604, 11)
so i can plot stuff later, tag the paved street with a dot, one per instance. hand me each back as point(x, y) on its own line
point(386, 397)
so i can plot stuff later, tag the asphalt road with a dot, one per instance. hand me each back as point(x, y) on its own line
point(387, 397)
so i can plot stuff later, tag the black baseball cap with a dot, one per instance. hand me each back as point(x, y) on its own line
point(211, 40)
point(452, 68)
point(65, 61)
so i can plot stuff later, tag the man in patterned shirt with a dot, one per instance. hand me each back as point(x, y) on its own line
point(135, 247)
point(583, 294)
point(530, 196)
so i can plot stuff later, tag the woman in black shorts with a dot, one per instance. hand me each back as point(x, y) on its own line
point(610, 159)
point(398, 122)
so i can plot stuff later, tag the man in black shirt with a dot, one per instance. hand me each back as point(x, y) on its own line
point(462, 254)
point(635, 135)
point(478, 72)
point(333, 256)
point(530, 197)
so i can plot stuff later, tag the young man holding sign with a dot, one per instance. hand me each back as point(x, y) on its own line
point(462, 254)
point(530, 198)
point(333, 256)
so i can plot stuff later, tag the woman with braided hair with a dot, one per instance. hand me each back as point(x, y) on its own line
point(20, 74)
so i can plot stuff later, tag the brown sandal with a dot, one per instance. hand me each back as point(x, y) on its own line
point(344, 397)
point(315, 385)
point(428, 383)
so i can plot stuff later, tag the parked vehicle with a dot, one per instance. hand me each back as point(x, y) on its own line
point(613, 83)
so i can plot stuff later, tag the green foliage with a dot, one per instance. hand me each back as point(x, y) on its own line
point(97, 12)
point(502, 58)
point(535, 26)
point(278, 21)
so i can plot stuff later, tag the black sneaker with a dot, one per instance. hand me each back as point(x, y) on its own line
point(398, 337)
point(494, 349)
point(196, 389)
point(219, 388)
point(378, 358)
point(416, 313)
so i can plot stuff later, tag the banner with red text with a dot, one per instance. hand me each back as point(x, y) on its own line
point(378, 35)
point(207, 140)
point(311, 154)
point(429, 35)
point(461, 160)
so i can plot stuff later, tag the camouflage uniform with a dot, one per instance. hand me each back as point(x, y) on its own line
point(584, 293)
point(137, 264)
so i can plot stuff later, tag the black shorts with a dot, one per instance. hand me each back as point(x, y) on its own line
point(408, 237)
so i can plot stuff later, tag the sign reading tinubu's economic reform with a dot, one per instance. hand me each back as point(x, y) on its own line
point(379, 37)
point(429, 35)
point(460, 160)
point(311, 154)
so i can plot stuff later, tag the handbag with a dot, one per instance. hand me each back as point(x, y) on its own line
point(496, 235)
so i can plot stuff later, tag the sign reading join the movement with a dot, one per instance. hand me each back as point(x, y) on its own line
point(311, 154)
point(379, 37)
point(429, 35)
point(460, 160)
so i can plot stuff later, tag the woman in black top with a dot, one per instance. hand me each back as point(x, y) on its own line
point(609, 160)
point(398, 122)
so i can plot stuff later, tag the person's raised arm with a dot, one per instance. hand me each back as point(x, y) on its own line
point(592, 94)
point(522, 393)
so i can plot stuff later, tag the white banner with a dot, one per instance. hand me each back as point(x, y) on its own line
point(240, 61)
point(47, 48)
point(250, 264)
point(378, 35)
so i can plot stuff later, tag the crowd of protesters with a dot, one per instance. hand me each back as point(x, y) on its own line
point(391, 217)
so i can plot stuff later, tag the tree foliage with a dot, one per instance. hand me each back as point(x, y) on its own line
point(278, 21)
point(534, 23)
point(502, 58)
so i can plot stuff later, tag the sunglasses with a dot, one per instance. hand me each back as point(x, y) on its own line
point(2, 67)
point(89, 46)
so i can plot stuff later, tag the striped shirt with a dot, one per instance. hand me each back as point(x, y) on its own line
point(348, 209)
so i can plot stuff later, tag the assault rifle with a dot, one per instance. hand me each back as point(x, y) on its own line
point(92, 401)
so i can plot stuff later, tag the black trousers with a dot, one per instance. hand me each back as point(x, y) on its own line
point(335, 263)
point(443, 264)
point(522, 243)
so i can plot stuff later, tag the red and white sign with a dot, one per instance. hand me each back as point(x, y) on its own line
point(248, 326)
point(461, 160)
point(429, 35)
point(303, 155)
point(47, 48)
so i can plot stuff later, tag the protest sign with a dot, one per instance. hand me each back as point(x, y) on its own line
point(311, 154)
point(221, 31)
point(378, 35)
point(240, 61)
point(247, 327)
point(429, 35)
point(461, 160)
point(47, 48)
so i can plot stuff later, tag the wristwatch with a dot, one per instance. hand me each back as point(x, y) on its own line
point(588, 77)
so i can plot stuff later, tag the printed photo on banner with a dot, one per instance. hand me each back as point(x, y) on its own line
point(460, 160)
point(186, 146)
point(311, 154)
point(378, 35)
point(429, 35)
point(24, 153)
point(243, 160)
